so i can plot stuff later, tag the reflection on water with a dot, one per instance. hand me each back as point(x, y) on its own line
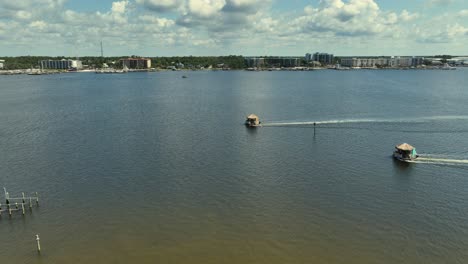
point(144, 168)
point(401, 166)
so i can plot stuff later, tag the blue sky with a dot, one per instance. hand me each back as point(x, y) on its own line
point(223, 27)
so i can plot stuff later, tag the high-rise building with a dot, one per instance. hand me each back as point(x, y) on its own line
point(323, 58)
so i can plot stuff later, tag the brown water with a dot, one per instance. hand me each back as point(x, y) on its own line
point(154, 168)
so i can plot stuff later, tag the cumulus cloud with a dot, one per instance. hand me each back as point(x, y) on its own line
point(161, 5)
point(463, 13)
point(350, 18)
point(439, 2)
point(28, 9)
point(205, 8)
point(448, 34)
point(244, 6)
point(220, 24)
point(222, 19)
point(407, 16)
point(356, 17)
point(119, 7)
point(22, 15)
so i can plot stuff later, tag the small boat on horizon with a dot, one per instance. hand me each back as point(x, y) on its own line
point(252, 121)
point(405, 152)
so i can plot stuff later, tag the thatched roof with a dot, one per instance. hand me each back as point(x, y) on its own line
point(405, 147)
point(252, 116)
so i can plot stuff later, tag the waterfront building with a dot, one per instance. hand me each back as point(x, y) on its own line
point(402, 62)
point(287, 62)
point(385, 61)
point(417, 61)
point(61, 64)
point(2, 64)
point(308, 57)
point(254, 62)
point(259, 62)
point(136, 63)
point(323, 58)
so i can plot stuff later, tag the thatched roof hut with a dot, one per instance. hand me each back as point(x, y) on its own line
point(252, 120)
point(252, 116)
point(404, 147)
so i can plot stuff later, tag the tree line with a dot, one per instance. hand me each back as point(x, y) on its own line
point(189, 62)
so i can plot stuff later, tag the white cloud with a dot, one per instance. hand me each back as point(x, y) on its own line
point(23, 15)
point(356, 17)
point(119, 7)
point(266, 24)
point(159, 22)
point(234, 26)
point(350, 18)
point(161, 5)
point(205, 8)
point(244, 6)
point(439, 2)
point(38, 24)
point(407, 16)
point(463, 13)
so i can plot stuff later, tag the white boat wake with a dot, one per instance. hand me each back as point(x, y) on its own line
point(350, 121)
point(439, 161)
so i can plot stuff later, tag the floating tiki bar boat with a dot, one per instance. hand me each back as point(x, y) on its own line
point(405, 152)
point(252, 121)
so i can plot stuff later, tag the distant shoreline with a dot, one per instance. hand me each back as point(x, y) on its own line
point(48, 72)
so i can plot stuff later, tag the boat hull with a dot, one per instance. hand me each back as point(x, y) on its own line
point(400, 157)
point(251, 125)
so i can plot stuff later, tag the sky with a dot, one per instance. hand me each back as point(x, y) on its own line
point(233, 27)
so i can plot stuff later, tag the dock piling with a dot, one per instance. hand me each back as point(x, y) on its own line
point(38, 243)
point(13, 203)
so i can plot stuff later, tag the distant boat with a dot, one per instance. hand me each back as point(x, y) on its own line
point(405, 152)
point(184, 76)
point(252, 121)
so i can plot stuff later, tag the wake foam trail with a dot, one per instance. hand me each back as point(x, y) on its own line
point(440, 161)
point(310, 123)
point(350, 121)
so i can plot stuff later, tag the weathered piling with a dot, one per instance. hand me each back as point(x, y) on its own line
point(38, 243)
point(13, 203)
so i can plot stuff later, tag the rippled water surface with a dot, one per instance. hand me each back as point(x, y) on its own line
point(155, 168)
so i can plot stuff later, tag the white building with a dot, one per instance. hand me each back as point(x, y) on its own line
point(2, 64)
point(372, 62)
point(61, 64)
point(402, 62)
